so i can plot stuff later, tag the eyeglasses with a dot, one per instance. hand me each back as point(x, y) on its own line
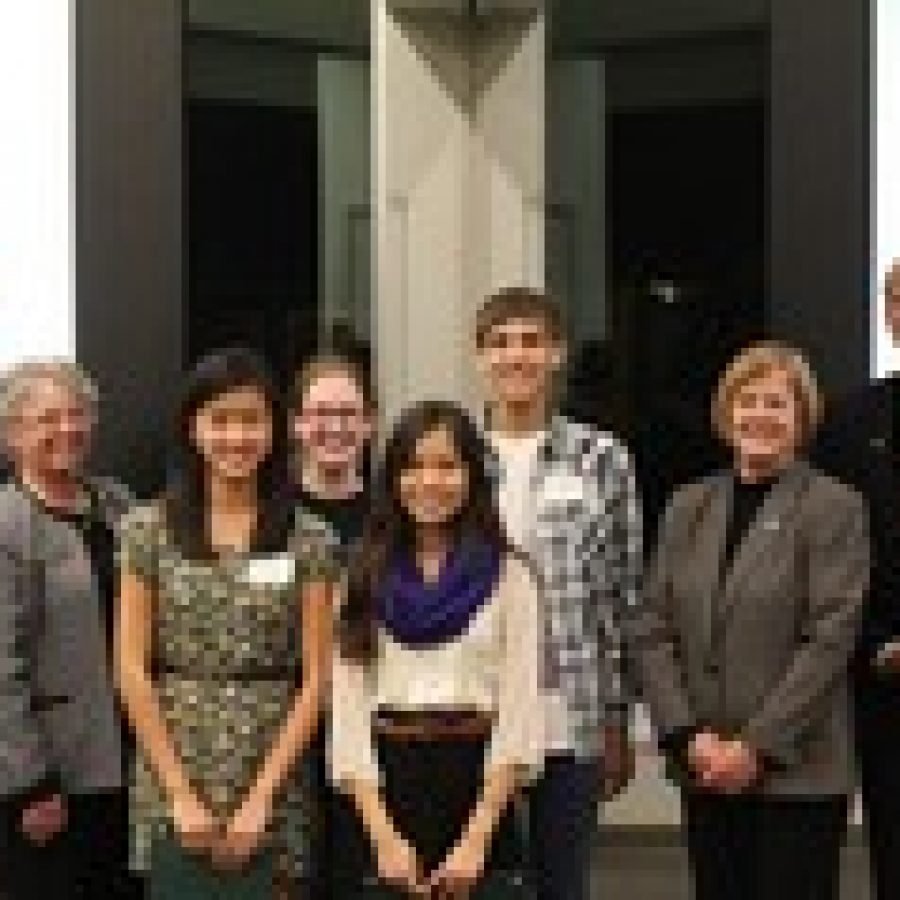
point(342, 414)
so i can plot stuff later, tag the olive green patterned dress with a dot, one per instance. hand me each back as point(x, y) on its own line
point(226, 648)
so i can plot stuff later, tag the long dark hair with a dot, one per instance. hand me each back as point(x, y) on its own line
point(388, 530)
point(185, 499)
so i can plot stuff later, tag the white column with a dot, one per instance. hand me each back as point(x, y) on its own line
point(458, 108)
point(37, 200)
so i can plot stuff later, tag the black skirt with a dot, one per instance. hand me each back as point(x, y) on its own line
point(431, 789)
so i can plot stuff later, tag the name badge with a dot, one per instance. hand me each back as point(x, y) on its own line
point(271, 571)
point(564, 487)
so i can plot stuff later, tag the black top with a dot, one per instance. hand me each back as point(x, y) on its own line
point(746, 500)
point(345, 515)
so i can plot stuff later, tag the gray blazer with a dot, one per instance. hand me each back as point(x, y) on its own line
point(774, 670)
point(57, 703)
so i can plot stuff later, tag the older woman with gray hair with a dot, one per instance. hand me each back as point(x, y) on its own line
point(63, 813)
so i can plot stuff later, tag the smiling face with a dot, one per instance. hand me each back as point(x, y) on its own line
point(433, 488)
point(765, 421)
point(519, 358)
point(333, 424)
point(50, 429)
point(233, 433)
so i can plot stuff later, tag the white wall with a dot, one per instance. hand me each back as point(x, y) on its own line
point(887, 184)
point(36, 179)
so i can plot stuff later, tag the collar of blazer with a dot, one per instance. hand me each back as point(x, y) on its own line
point(40, 534)
point(763, 534)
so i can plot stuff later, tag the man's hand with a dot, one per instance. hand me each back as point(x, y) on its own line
point(42, 820)
point(617, 761)
point(887, 660)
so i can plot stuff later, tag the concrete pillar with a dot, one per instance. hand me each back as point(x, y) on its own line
point(458, 106)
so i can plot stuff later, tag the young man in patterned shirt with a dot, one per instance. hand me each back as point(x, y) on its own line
point(569, 502)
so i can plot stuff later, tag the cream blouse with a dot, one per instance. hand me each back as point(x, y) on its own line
point(492, 667)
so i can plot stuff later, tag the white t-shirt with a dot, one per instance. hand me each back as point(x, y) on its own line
point(518, 459)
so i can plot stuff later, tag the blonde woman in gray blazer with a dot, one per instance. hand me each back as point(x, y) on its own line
point(752, 601)
point(62, 807)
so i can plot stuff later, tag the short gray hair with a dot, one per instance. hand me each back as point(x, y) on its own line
point(20, 379)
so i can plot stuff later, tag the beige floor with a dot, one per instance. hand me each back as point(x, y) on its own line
point(656, 869)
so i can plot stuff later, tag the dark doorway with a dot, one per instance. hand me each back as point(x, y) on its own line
point(251, 229)
point(688, 206)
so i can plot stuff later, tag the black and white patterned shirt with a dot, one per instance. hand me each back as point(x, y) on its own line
point(584, 539)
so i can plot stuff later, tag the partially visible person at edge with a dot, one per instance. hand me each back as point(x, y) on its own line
point(752, 601)
point(63, 816)
point(436, 706)
point(224, 638)
point(859, 445)
point(332, 413)
point(569, 501)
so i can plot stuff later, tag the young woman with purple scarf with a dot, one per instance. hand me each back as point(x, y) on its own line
point(436, 720)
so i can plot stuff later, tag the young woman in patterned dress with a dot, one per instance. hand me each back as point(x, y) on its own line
point(224, 633)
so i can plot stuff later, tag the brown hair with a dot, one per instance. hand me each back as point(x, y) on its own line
point(756, 361)
point(518, 303)
point(331, 362)
point(388, 530)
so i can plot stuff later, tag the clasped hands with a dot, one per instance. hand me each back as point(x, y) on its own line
point(229, 845)
point(719, 763)
point(455, 877)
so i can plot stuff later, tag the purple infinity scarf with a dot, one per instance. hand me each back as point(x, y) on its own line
point(420, 614)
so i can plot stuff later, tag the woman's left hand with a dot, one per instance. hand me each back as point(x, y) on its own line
point(734, 767)
point(458, 874)
point(244, 832)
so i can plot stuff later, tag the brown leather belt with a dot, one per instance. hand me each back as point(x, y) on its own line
point(433, 724)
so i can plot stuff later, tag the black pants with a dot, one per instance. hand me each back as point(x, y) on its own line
point(88, 859)
point(878, 748)
point(562, 827)
point(430, 789)
point(751, 848)
point(26, 869)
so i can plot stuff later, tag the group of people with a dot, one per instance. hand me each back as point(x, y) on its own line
point(308, 668)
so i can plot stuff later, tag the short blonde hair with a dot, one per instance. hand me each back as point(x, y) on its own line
point(756, 361)
point(20, 379)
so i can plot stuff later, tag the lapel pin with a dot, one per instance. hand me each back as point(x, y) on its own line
point(879, 443)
